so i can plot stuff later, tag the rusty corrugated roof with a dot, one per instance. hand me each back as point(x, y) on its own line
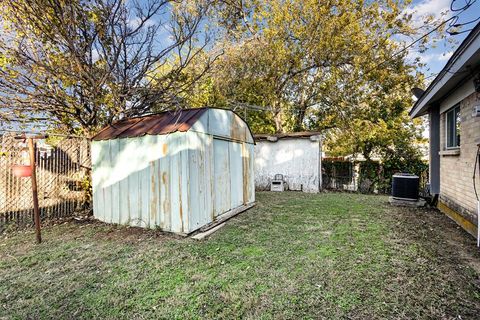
point(304, 134)
point(155, 124)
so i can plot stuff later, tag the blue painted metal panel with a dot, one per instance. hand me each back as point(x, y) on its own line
point(224, 124)
point(178, 182)
point(124, 196)
point(221, 176)
point(199, 180)
point(114, 187)
point(236, 174)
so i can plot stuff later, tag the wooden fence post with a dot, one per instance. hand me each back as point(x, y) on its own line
point(36, 213)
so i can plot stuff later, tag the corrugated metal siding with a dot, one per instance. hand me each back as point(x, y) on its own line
point(178, 182)
point(139, 181)
point(249, 170)
point(236, 174)
point(223, 124)
point(221, 176)
point(199, 180)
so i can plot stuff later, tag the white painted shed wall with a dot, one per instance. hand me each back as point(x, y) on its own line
point(172, 181)
point(298, 159)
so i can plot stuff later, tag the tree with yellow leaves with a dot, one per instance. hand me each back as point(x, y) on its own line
point(82, 64)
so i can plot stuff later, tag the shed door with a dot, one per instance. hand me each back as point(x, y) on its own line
point(236, 174)
point(221, 176)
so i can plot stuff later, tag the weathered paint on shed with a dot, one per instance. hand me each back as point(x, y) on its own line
point(178, 181)
point(296, 156)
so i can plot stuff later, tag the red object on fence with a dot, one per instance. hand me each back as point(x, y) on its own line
point(21, 171)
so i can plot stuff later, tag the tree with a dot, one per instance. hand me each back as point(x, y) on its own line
point(316, 65)
point(82, 64)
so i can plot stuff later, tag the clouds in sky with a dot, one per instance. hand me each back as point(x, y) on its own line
point(135, 22)
point(429, 58)
point(423, 8)
point(437, 9)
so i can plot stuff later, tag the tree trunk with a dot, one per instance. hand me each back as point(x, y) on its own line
point(299, 116)
point(277, 117)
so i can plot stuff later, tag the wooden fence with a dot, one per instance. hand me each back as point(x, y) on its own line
point(63, 178)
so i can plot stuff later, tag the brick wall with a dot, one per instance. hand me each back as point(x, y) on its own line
point(456, 185)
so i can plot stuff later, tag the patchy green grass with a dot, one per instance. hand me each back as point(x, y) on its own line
point(292, 256)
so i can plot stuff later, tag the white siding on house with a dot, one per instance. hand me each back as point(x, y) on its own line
point(298, 159)
point(463, 92)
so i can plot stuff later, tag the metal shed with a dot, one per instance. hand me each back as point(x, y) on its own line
point(177, 171)
point(297, 156)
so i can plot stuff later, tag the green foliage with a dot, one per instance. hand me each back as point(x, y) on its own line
point(378, 175)
point(314, 65)
point(394, 139)
point(86, 187)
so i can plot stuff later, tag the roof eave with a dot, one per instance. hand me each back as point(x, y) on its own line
point(460, 59)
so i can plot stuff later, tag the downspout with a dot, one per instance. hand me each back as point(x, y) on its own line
point(434, 156)
point(477, 161)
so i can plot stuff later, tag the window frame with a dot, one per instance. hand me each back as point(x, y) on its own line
point(456, 133)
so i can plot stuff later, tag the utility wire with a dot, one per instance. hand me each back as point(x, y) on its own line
point(453, 18)
point(454, 24)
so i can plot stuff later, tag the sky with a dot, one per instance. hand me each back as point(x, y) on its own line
point(436, 58)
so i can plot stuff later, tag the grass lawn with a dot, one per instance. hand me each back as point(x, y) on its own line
point(294, 255)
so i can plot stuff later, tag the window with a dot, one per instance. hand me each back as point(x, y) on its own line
point(453, 127)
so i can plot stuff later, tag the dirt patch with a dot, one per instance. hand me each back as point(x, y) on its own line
point(130, 234)
point(437, 232)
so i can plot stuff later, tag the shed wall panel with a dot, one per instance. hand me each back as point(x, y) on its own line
point(250, 176)
point(134, 217)
point(124, 198)
point(115, 187)
point(164, 167)
point(97, 164)
point(200, 180)
point(154, 193)
point(236, 174)
point(144, 180)
point(179, 181)
point(184, 192)
point(225, 124)
point(221, 176)
point(174, 185)
point(145, 174)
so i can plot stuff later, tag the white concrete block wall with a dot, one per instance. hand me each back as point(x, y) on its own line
point(298, 159)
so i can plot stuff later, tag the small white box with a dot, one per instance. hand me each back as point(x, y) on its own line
point(277, 185)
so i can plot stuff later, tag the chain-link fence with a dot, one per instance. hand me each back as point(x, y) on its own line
point(63, 179)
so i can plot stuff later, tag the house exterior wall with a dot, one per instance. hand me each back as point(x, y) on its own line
point(456, 167)
point(298, 159)
point(168, 182)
